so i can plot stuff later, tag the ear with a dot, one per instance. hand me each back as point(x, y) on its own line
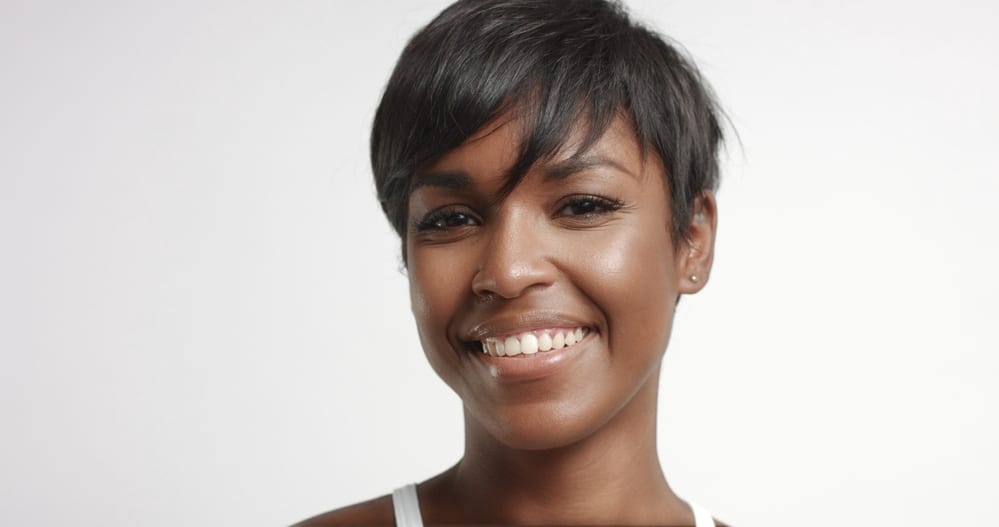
point(697, 252)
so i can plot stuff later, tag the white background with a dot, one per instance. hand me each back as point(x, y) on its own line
point(203, 319)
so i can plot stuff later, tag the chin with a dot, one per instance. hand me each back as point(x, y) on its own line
point(544, 425)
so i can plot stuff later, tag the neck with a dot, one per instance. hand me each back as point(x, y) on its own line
point(611, 476)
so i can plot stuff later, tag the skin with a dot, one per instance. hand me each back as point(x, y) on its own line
point(577, 446)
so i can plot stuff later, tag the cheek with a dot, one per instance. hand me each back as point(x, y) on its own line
point(425, 302)
point(429, 290)
point(630, 275)
point(428, 300)
point(435, 295)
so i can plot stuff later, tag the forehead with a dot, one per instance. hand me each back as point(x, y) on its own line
point(492, 155)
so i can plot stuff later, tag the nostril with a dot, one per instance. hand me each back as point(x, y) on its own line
point(485, 290)
point(487, 297)
point(508, 290)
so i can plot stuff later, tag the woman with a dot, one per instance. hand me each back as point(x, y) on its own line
point(549, 166)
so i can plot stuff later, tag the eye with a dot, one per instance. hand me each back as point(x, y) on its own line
point(444, 219)
point(588, 206)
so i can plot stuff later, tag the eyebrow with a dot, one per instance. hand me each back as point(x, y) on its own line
point(452, 179)
point(458, 180)
point(564, 169)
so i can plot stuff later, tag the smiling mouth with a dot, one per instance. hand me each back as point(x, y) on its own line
point(532, 342)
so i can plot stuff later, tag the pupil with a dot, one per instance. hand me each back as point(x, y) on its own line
point(456, 220)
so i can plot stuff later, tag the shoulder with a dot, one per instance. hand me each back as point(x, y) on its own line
point(373, 512)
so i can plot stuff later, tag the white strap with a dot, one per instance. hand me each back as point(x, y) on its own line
point(407, 507)
point(702, 518)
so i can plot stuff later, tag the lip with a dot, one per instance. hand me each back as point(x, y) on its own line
point(524, 368)
point(529, 321)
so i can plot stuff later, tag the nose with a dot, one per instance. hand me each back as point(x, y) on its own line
point(516, 258)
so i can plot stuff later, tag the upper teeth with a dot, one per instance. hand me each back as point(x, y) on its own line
point(531, 342)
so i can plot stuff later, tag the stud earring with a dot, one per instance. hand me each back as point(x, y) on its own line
point(693, 278)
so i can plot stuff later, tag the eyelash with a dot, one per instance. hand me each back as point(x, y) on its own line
point(601, 205)
point(437, 220)
point(433, 220)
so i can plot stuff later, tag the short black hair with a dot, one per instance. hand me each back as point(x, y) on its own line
point(559, 64)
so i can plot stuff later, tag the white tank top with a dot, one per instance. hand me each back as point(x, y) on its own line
point(407, 509)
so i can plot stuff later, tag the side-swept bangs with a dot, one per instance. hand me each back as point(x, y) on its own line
point(558, 65)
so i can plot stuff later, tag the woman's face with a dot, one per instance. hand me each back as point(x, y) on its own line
point(579, 248)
